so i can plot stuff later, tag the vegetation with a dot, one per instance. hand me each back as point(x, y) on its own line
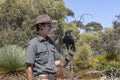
point(12, 61)
point(97, 49)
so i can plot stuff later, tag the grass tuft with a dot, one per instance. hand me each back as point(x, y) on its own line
point(12, 60)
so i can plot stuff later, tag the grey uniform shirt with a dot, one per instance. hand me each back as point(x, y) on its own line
point(42, 54)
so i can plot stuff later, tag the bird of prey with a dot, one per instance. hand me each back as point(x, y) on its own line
point(68, 40)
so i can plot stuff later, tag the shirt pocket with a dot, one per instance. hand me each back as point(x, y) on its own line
point(55, 53)
point(42, 57)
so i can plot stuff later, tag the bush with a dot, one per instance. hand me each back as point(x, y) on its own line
point(12, 60)
point(15, 37)
point(106, 61)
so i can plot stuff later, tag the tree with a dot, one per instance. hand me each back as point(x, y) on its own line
point(116, 24)
point(78, 24)
point(107, 42)
point(70, 12)
point(93, 26)
point(15, 14)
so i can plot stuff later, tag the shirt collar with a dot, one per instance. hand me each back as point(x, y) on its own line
point(40, 38)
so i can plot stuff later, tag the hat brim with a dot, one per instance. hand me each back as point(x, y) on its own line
point(51, 22)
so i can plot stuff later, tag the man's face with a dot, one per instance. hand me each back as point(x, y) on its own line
point(44, 28)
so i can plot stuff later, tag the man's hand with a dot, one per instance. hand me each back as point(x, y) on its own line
point(59, 63)
point(29, 72)
point(60, 69)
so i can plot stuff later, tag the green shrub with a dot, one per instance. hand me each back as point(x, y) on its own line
point(85, 75)
point(106, 61)
point(15, 37)
point(12, 60)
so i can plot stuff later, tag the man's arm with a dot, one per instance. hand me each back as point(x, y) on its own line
point(29, 72)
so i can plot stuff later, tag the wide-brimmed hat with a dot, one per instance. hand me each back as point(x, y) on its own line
point(43, 19)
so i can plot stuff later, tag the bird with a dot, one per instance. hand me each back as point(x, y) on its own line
point(69, 40)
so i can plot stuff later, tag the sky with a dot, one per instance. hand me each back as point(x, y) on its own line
point(101, 11)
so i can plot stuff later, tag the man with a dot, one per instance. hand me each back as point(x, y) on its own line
point(41, 56)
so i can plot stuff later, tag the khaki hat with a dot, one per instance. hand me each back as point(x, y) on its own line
point(43, 19)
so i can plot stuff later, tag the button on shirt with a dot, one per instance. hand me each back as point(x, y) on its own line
point(42, 54)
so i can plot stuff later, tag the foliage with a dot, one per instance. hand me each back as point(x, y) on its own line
point(17, 17)
point(107, 61)
point(88, 37)
point(95, 48)
point(22, 13)
point(108, 42)
point(98, 65)
point(101, 59)
point(71, 26)
point(83, 74)
point(12, 60)
point(93, 26)
point(79, 24)
point(15, 37)
point(82, 57)
point(70, 13)
point(116, 25)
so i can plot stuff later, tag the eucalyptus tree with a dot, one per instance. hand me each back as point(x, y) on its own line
point(116, 24)
point(93, 26)
point(22, 13)
point(107, 42)
point(17, 12)
point(78, 24)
